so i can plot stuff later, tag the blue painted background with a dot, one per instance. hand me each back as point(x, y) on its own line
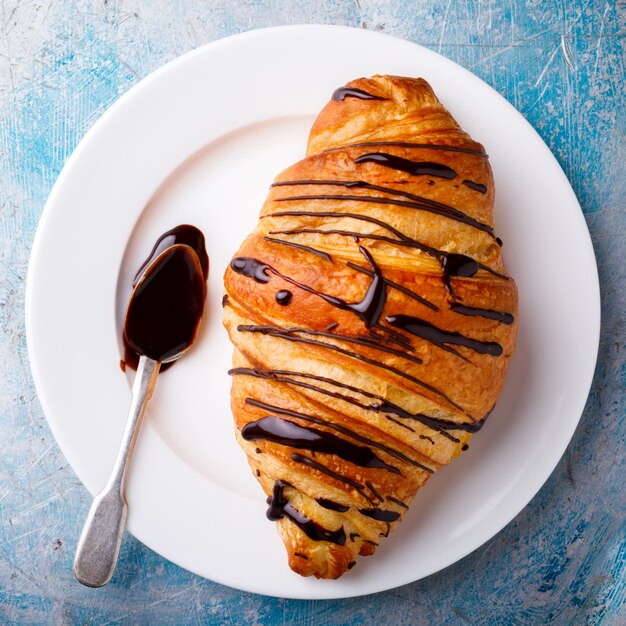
point(561, 63)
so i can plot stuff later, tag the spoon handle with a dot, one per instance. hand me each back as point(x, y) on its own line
point(100, 540)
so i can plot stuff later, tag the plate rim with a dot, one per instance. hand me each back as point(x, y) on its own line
point(170, 67)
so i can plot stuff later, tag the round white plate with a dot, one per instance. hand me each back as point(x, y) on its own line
point(200, 141)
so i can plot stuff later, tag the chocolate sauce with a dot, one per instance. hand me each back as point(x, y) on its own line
point(405, 426)
point(283, 297)
point(287, 433)
point(305, 460)
point(251, 268)
point(331, 505)
point(430, 207)
point(436, 423)
point(383, 406)
point(182, 234)
point(475, 186)
point(457, 265)
point(492, 271)
point(416, 168)
point(166, 307)
point(440, 255)
point(398, 502)
point(279, 506)
point(439, 337)
point(277, 501)
point(405, 241)
point(355, 216)
point(285, 334)
point(401, 288)
point(369, 308)
point(369, 485)
point(390, 336)
point(380, 515)
point(341, 429)
point(499, 316)
point(299, 246)
point(339, 95)
point(420, 202)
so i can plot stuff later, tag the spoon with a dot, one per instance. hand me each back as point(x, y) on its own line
point(162, 319)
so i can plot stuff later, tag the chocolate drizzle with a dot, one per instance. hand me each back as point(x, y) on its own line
point(403, 240)
point(371, 487)
point(391, 283)
point(331, 505)
point(439, 337)
point(398, 502)
point(339, 95)
point(251, 268)
point(299, 246)
point(380, 515)
point(416, 202)
point(436, 423)
point(416, 168)
point(381, 406)
point(498, 316)
point(305, 460)
point(277, 501)
point(283, 297)
point(287, 433)
point(369, 308)
point(287, 334)
point(361, 340)
point(475, 186)
point(361, 184)
point(457, 265)
point(279, 506)
point(341, 429)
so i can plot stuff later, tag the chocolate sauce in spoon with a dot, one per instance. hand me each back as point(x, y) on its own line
point(167, 303)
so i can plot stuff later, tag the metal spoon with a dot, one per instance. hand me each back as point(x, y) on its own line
point(99, 544)
point(100, 541)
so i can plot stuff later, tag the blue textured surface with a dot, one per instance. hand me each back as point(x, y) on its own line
point(562, 64)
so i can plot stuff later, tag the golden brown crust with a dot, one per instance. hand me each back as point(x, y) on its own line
point(343, 409)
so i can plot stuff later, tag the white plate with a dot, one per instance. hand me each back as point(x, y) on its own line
point(199, 141)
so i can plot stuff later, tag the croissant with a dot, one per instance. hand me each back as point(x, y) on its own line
point(372, 319)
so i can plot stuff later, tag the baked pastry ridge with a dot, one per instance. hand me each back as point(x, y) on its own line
point(372, 316)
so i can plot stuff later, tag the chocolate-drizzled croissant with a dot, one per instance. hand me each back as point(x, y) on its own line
point(372, 318)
